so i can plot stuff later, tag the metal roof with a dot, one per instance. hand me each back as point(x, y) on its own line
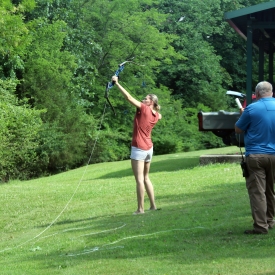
point(261, 18)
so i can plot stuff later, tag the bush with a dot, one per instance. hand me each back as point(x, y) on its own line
point(19, 126)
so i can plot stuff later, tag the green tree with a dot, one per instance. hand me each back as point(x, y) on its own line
point(199, 76)
point(64, 52)
point(78, 40)
point(47, 84)
point(19, 128)
point(124, 30)
point(14, 37)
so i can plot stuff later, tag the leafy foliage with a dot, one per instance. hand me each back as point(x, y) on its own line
point(198, 76)
point(14, 38)
point(58, 55)
point(18, 134)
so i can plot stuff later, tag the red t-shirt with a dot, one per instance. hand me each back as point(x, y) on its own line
point(144, 122)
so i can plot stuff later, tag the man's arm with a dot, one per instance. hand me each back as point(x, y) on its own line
point(238, 130)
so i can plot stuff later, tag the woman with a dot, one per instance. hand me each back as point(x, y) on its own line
point(142, 147)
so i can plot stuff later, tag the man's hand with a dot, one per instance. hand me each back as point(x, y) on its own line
point(239, 105)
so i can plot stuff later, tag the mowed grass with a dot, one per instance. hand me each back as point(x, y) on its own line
point(81, 222)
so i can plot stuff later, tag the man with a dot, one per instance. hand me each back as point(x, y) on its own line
point(257, 121)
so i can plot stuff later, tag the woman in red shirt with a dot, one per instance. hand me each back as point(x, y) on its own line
point(146, 117)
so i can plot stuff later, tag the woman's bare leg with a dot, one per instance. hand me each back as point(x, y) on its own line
point(149, 186)
point(138, 169)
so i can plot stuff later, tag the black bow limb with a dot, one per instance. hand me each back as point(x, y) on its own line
point(112, 83)
point(107, 96)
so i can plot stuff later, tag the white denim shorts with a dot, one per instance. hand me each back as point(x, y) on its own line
point(139, 154)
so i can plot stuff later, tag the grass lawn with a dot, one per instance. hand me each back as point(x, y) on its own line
point(81, 222)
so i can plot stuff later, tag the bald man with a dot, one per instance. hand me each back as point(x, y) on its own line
point(257, 122)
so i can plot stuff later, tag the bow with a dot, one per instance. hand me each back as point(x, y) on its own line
point(112, 83)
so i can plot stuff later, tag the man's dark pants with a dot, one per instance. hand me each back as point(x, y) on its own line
point(260, 186)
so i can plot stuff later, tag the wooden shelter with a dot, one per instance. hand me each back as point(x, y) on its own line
point(256, 24)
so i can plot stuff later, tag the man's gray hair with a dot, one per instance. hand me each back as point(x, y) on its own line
point(264, 88)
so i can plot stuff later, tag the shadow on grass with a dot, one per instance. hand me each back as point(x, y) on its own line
point(167, 165)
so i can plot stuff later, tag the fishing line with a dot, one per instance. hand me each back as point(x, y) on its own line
point(82, 228)
point(69, 201)
point(97, 248)
point(103, 247)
